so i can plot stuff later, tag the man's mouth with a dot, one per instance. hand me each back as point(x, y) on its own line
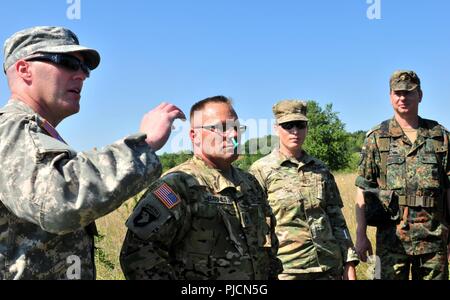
point(75, 91)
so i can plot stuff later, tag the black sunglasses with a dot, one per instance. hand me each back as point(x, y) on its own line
point(67, 61)
point(289, 125)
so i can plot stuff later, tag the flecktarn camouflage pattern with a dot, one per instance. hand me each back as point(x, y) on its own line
point(415, 176)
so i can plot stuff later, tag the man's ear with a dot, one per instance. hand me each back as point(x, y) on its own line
point(275, 129)
point(23, 70)
point(193, 136)
point(420, 95)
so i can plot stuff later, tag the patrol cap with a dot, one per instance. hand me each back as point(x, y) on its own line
point(48, 39)
point(290, 110)
point(404, 80)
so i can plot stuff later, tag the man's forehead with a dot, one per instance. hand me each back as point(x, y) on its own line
point(215, 113)
point(219, 114)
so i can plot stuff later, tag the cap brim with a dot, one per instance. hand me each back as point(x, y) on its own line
point(292, 118)
point(91, 56)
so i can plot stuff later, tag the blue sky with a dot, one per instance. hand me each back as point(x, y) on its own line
point(255, 51)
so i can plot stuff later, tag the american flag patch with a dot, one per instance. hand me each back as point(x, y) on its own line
point(167, 196)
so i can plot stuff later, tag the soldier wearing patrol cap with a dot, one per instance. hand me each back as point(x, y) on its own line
point(406, 159)
point(314, 239)
point(204, 219)
point(50, 195)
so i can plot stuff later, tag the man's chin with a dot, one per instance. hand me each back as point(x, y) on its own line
point(71, 111)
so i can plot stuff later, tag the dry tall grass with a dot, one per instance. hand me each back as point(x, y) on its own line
point(347, 188)
point(113, 229)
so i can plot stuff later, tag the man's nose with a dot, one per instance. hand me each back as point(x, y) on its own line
point(295, 130)
point(80, 74)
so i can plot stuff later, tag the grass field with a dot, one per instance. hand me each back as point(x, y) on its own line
point(113, 231)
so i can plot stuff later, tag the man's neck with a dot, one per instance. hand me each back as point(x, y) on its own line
point(410, 121)
point(296, 153)
point(223, 166)
point(36, 106)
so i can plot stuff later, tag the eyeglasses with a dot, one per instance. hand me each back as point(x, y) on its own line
point(290, 125)
point(220, 128)
point(64, 60)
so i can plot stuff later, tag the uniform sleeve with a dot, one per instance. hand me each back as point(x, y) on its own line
point(276, 266)
point(152, 229)
point(337, 220)
point(256, 171)
point(368, 170)
point(447, 181)
point(447, 161)
point(45, 182)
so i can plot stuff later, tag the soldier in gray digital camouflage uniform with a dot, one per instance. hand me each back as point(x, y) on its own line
point(314, 239)
point(50, 195)
point(406, 160)
point(204, 219)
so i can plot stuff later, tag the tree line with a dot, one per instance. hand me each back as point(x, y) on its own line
point(327, 140)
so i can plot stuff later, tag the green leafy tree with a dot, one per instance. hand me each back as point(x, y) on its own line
point(262, 146)
point(356, 140)
point(170, 160)
point(327, 139)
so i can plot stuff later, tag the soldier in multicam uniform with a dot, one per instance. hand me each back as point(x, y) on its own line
point(204, 219)
point(314, 239)
point(50, 195)
point(407, 160)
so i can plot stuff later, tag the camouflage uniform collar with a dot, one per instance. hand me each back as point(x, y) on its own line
point(395, 130)
point(219, 182)
point(17, 105)
point(281, 158)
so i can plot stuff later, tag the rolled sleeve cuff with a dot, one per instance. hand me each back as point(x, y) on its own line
point(364, 184)
point(351, 256)
point(136, 139)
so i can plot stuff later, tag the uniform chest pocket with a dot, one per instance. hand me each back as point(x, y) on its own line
point(395, 172)
point(428, 172)
point(313, 193)
point(284, 201)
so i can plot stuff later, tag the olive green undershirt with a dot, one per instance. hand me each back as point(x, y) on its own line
point(411, 133)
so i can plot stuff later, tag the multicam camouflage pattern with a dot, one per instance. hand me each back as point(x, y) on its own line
point(220, 229)
point(327, 275)
point(50, 195)
point(311, 229)
point(417, 176)
point(48, 39)
point(290, 110)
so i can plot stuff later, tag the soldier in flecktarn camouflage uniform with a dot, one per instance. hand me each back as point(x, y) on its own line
point(204, 219)
point(50, 195)
point(406, 159)
point(314, 239)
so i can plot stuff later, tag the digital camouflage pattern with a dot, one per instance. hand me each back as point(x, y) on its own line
point(311, 229)
point(50, 195)
point(413, 179)
point(218, 229)
point(47, 39)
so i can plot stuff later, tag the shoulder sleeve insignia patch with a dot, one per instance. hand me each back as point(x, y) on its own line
point(167, 196)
